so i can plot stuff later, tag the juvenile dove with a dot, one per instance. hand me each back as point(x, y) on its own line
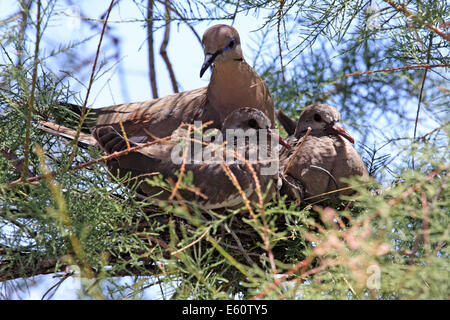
point(213, 186)
point(233, 85)
point(326, 156)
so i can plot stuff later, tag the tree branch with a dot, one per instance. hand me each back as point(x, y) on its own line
point(151, 54)
point(163, 49)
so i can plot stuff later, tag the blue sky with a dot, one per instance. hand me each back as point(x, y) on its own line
point(185, 54)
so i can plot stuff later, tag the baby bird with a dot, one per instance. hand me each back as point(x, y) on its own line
point(326, 156)
point(212, 178)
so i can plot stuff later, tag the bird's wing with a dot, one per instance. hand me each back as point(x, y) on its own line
point(317, 154)
point(287, 123)
point(348, 162)
point(142, 121)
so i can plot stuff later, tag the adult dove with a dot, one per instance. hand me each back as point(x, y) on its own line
point(326, 156)
point(233, 85)
point(213, 186)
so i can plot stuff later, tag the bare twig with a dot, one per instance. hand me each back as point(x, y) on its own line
point(416, 17)
point(163, 49)
point(151, 53)
point(426, 66)
point(89, 163)
point(16, 162)
point(291, 160)
point(183, 164)
point(33, 88)
point(421, 92)
point(280, 13)
point(91, 80)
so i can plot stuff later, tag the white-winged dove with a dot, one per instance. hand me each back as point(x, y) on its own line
point(326, 156)
point(233, 85)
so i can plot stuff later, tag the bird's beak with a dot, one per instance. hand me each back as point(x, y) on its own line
point(335, 128)
point(209, 59)
point(279, 139)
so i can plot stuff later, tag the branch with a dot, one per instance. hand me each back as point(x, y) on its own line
point(151, 54)
point(427, 66)
point(13, 184)
point(91, 80)
point(163, 49)
point(402, 8)
point(33, 88)
point(16, 162)
point(421, 92)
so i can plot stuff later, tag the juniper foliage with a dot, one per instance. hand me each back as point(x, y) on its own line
point(389, 241)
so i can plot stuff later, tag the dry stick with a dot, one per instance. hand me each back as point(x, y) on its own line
point(280, 12)
point(15, 161)
point(236, 184)
point(163, 49)
point(401, 8)
point(182, 18)
point(297, 266)
point(123, 130)
point(263, 218)
point(183, 164)
point(151, 53)
point(235, 12)
point(190, 244)
point(426, 230)
point(427, 66)
point(12, 184)
point(291, 160)
point(91, 80)
point(33, 88)
point(421, 92)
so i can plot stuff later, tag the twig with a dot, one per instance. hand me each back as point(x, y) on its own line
point(297, 266)
point(151, 54)
point(402, 8)
point(240, 246)
point(280, 12)
point(33, 88)
point(12, 184)
point(185, 20)
point(56, 285)
point(426, 66)
point(425, 212)
point(328, 173)
point(191, 244)
point(421, 92)
point(91, 80)
point(16, 162)
point(183, 164)
point(163, 49)
point(291, 160)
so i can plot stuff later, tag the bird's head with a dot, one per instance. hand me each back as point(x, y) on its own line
point(251, 119)
point(323, 120)
point(221, 43)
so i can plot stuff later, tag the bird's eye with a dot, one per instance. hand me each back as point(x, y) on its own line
point(231, 44)
point(317, 117)
point(253, 124)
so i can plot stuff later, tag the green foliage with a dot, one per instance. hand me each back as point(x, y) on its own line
point(388, 241)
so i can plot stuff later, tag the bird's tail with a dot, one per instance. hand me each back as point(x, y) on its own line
point(84, 140)
point(288, 124)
